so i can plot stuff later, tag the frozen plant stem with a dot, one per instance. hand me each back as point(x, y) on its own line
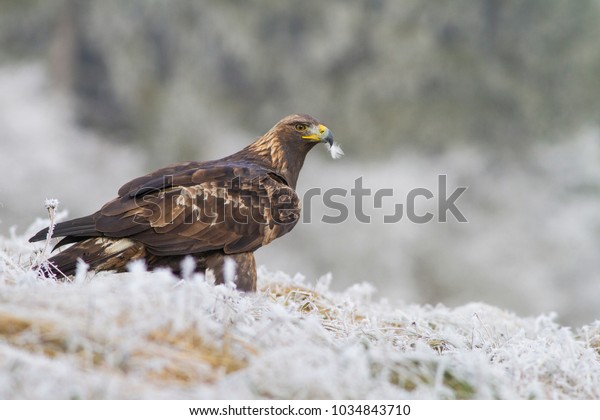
point(43, 264)
point(51, 204)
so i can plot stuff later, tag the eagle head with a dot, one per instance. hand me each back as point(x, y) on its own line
point(304, 128)
point(284, 147)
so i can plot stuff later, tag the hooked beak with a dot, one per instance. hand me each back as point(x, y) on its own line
point(320, 133)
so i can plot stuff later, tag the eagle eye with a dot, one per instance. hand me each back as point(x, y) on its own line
point(300, 127)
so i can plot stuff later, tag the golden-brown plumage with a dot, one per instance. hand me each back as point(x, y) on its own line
point(210, 210)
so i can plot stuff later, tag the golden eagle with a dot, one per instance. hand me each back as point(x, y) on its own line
point(211, 210)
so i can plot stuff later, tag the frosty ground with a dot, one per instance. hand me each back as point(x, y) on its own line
point(154, 335)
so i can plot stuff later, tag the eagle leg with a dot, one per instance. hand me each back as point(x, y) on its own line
point(245, 269)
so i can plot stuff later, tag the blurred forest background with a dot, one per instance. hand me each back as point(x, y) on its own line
point(503, 96)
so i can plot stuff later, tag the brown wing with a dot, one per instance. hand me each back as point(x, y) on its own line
point(186, 209)
point(176, 174)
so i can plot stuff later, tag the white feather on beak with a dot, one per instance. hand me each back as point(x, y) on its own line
point(335, 150)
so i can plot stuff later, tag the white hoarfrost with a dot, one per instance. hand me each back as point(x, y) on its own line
point(154, 335)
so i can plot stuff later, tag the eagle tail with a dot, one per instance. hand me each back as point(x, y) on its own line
point(98, 253)
point(76, 228)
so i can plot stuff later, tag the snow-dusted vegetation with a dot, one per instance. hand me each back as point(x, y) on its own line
point(153, 335)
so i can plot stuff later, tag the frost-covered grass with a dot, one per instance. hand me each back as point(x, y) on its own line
point(531, 245)
point(153, 335)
